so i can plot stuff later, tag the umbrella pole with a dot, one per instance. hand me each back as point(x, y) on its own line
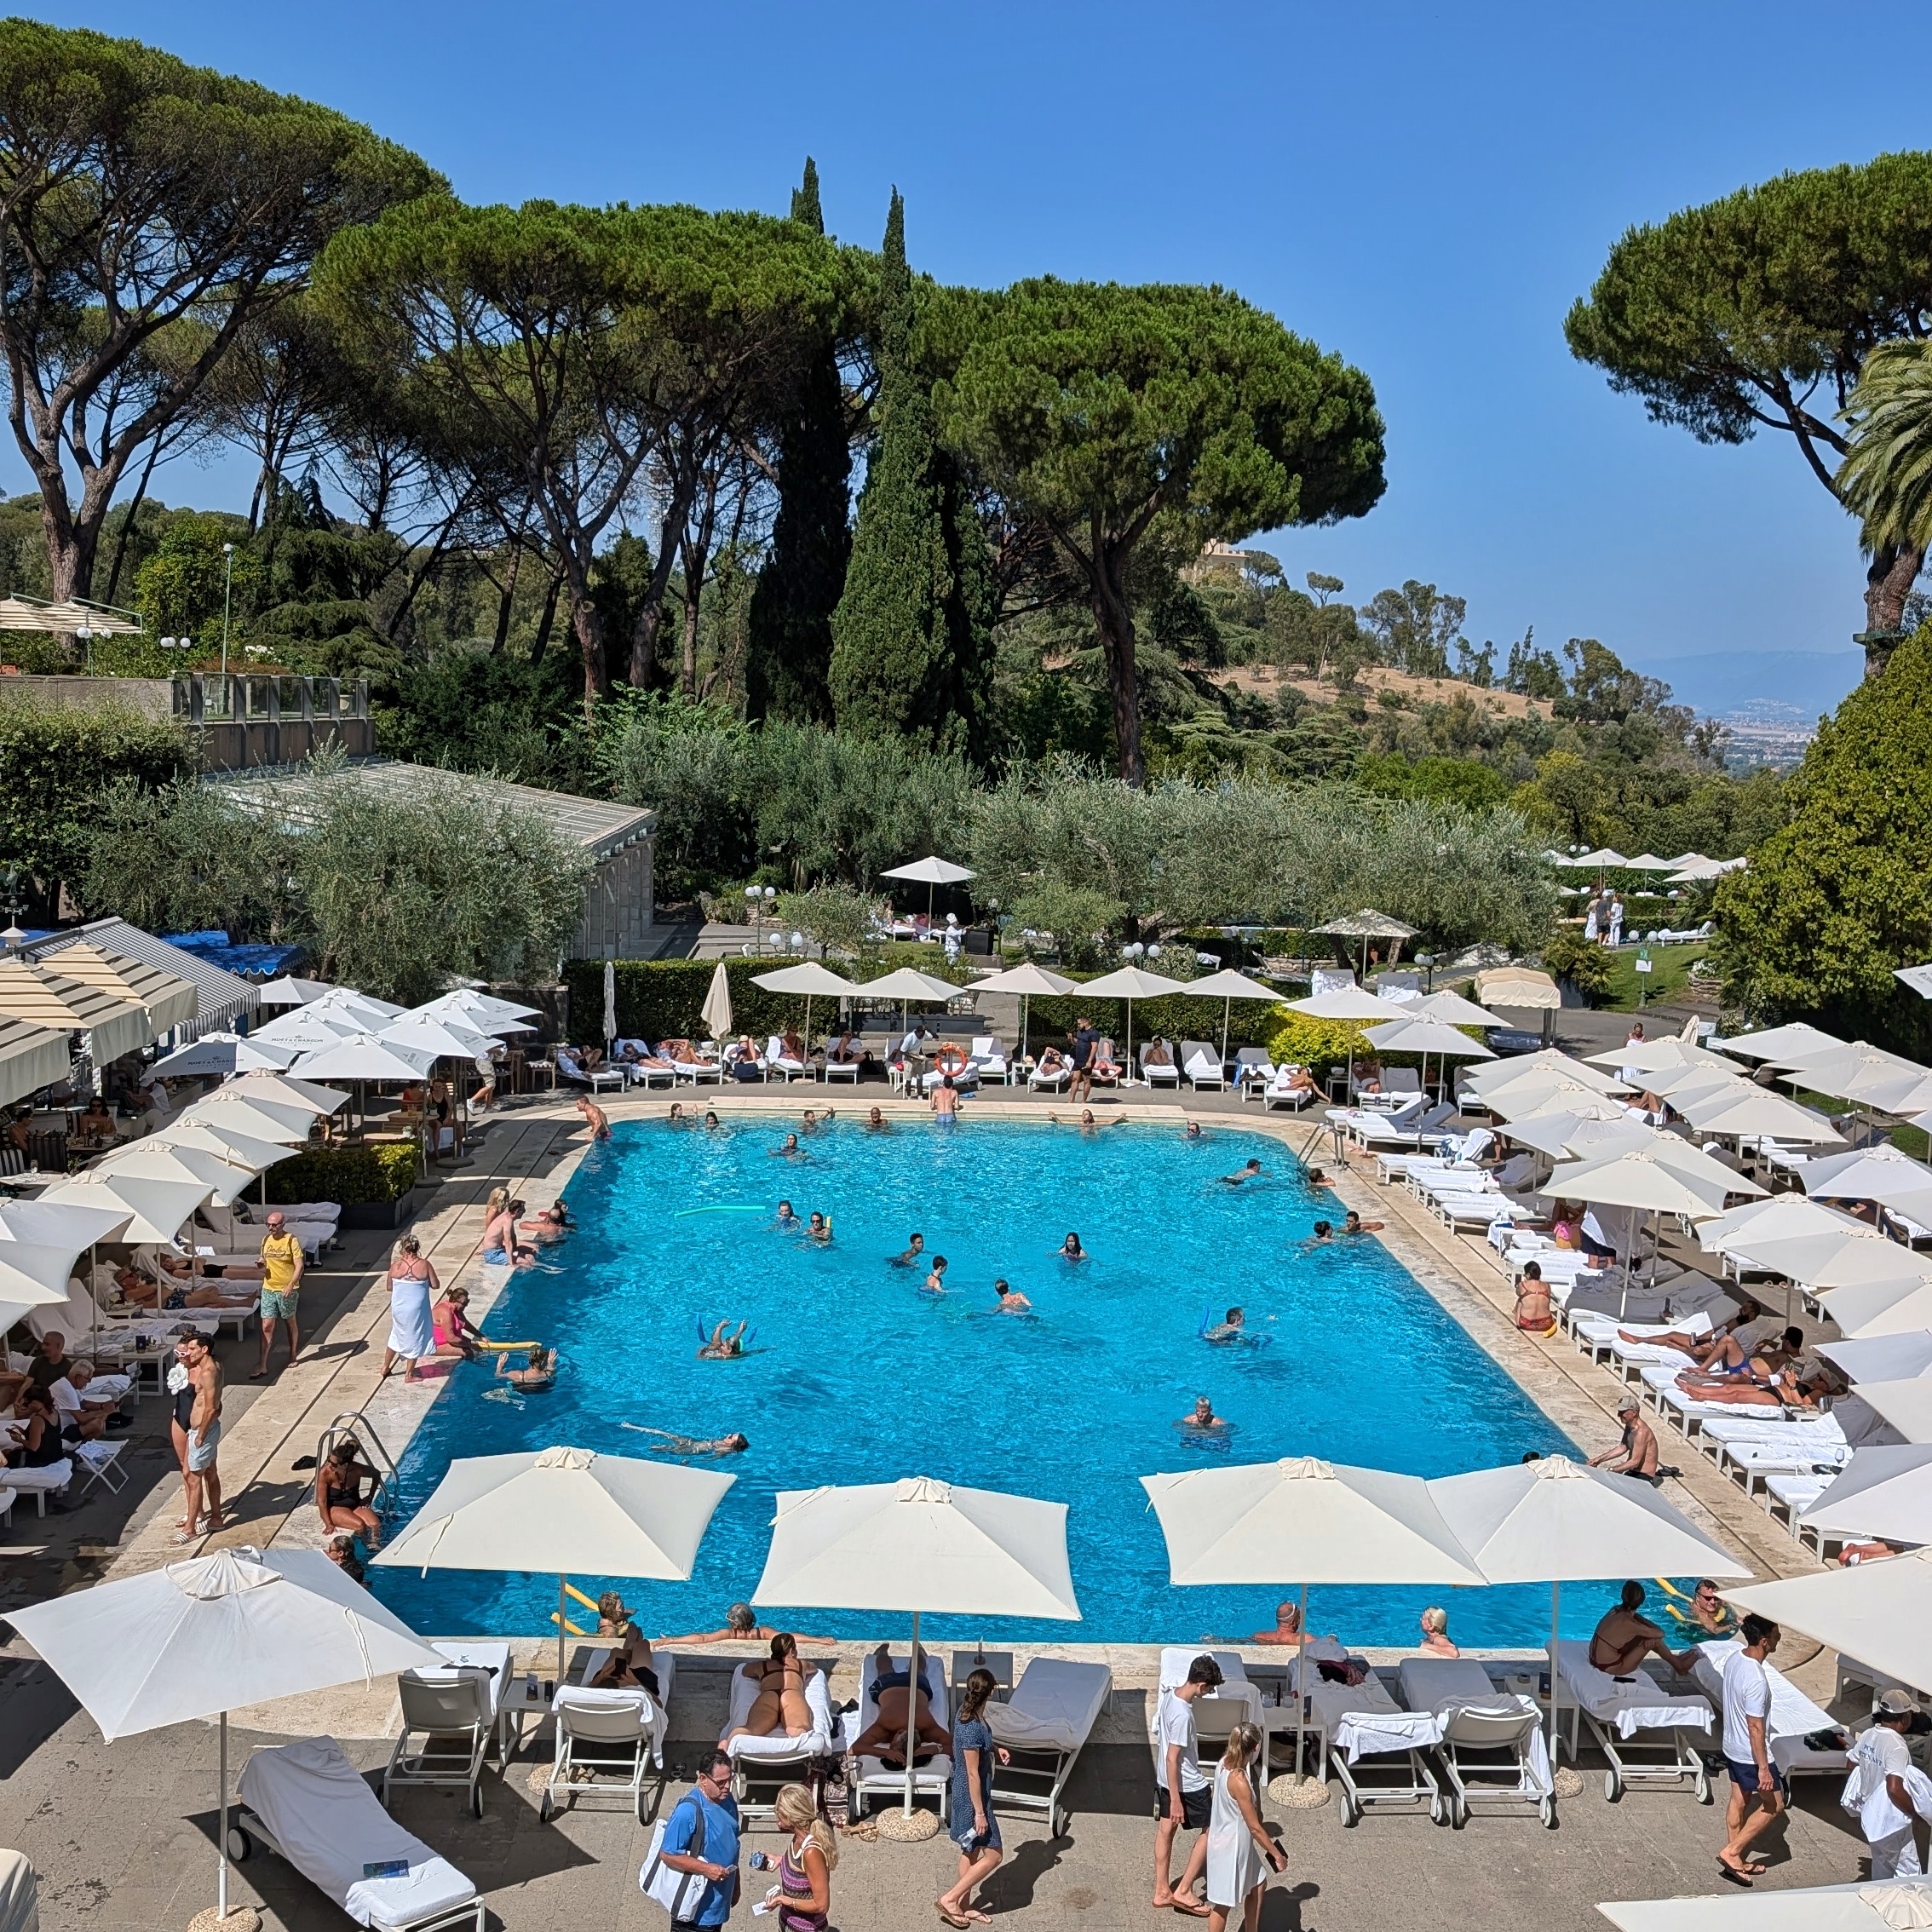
point(1227, 1017)
point(1301, 1667)
point(1128, 1078)
point(1556, 1612)
point(914, 1676)
point(1026, 1019)
point(221, 1844)
point(563, 1604)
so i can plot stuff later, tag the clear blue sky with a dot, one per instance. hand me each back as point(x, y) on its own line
point(1423, 189)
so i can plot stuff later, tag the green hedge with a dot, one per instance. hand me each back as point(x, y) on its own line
point(346, 1175)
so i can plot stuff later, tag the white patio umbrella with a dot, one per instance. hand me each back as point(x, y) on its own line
point(1904, 1355)
point(1426, 1037)
point(610, 1002)
point(1905, 1405)
point(1781, 1217)
point(1556, 1521)
point(364, 1006)
point(1752, 1113)
point(810, 979)
point(487, 1014)
point(1545, 1092)
point(53, 1224)
point(1131, 983)
point(448, 1039)
point(1777, 1044)
point(1880, 1614)
point(229, 1144)
point(715, 1012)
point(226, 1179)
point(905, 985)
point(284, 1090)
point(1455, 1011)
point(929, 872)
point(223, 1053)
point(1865, 1174)
point(1546, 1064)
point(1351, 1003)
point(1301, 1520)
point(305, 1031)
point(366, 1056)
point(561, 1511)
point(1885, 1490)
point(1891, 1903)
point(1657, 1056)
point(267, 1120)
point(1666, 1174)
point(1025, 979)
point(918, 1545)
point(1900, 1306)
point(1839, 1258)
point(1227, 986)
point(154, 1209)
point(290, 991)
point(211, 1635)
point(1578, 1132)
point(33, 1275)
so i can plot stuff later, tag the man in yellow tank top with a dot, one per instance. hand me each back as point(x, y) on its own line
point(282, 1264)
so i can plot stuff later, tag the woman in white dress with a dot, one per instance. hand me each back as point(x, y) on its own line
point(1239, 1851)
point(412, 1329)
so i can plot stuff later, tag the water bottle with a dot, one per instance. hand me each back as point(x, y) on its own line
point(760, 1862)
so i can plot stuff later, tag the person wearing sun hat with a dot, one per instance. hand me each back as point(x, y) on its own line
point(1878, 1790)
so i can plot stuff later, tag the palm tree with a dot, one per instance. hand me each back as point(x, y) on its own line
point(1886, 479)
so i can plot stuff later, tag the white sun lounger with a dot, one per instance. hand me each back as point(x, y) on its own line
point(1491, 1744)
point(932, 1777)
point(1651, 1734)
point(761, 1767)
point(1794, 1716)
point(1277, 1091)
point(614, 1732)
point(1201, 1062)
point(1253, 1070)
point(1052, 1082)
point(50, 1479)
point(451, 1718)
point(1045, 1725)
point(306, 1803)
point(1359, 1721)
point(1165, 1074)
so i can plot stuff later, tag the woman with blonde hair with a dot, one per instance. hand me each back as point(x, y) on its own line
point(1239, 1848)
point(1435, 1638)
point(802, 1897)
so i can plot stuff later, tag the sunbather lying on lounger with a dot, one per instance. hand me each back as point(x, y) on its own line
point(780, 1708)
point(627, 1667)
point(884, 1737)
point(1623, 1639)
point(1764, 1387)
point(183, 1291)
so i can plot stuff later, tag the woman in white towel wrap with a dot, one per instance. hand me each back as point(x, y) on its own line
point(412, 1285)
point(1239, 1851)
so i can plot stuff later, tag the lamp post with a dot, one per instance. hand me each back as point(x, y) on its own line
point(228, 599)
point(86, 638)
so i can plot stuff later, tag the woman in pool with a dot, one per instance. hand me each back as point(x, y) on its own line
point(539, 1371)
point(740, 1626)
point(787, 1219)
point(1435, 1634)
point(677, 1117)
point(934, 1283)
point(710, 1121)
point(1071, 1250)
point(722, 1348)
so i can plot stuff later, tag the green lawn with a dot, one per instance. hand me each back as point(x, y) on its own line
point(1670, 967)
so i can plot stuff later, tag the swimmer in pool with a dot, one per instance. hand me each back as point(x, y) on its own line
point(1352, 1223)
point(1086, 1123)
point(813, 1122)
point(876, 1123)
point(676, 1445)
point(539, 1369)
point(1191, 1131)
point(710, 1121)
point(786, 1219)
point(790, 1151)
point(677, 1117)
point(1204, 1417)
point(935, 1280)
point(908, 1256)
point(819, 1228)
point(1317, 1178)
point(1249, 1172)
point(1323, 1235)
point(1071, 1250)
point(1011, 1301)
point(722, 1348)
point(1229, 1329)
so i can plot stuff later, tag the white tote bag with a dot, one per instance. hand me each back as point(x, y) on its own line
point(680, 1893)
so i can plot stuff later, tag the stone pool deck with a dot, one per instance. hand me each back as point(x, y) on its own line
point(123, 1834)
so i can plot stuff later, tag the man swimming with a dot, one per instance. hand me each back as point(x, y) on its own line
point(1191, 1131)
point(876, 1123)
point(1011, 1301)
point(1352, 1223)
point(786, 1219)
point(1228, 1330)
point(1323, 1233)
point(790, 1151)
point(813, 1122)
point(722, 1348)
point(908, 1257)
point(934, 1283)
point(1246, 1172)
point(677, 1444)
point(1204, 1417)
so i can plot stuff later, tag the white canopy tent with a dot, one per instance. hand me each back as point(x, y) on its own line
point(559, 1511)
point(918, 1545)
point(215, 1633)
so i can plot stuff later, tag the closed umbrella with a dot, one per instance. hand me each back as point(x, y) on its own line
point(929, 872)
point(918, 1545)
point(1880, 1614)
point(1025, 979)
point(1131, 983)
point(1885, 1490)
point(560, 1511)
point(1907, 1405)
point(212, 1634)
point(1301, 1520)
point(715, 1012)
point(810, 979)
point(1227, 986)
point(610, 1003)
point(1556, 1521)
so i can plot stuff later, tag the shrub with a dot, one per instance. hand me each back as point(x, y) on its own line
point(346, 1175)
point(1299, 1039)
point(659, 999)
point(1586, 965)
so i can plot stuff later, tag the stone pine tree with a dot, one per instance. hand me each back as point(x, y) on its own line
point(912, 637)
point(789, 636)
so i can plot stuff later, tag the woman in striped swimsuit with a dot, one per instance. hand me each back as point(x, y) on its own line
point(804, 1869)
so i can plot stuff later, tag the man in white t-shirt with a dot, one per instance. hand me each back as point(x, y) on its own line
point(1184, 1794)
point(1886, 1814)
point(1757, 1786)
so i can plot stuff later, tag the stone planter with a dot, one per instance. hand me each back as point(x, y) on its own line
point(390, 1213)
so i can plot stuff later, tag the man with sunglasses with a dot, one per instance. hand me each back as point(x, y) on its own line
point(701, 1837)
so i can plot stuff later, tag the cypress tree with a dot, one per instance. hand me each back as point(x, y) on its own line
point(912, 637)
point(789, 638)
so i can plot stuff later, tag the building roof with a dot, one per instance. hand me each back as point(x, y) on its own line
point(598, 827)
point(223, 996)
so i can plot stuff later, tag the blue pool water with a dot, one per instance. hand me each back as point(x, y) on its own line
point(857, 1376)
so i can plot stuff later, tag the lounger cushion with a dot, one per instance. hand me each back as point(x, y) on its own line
point(329, 1825)
point(1053, 1707)
point(825, 1735)
point(50, 1476)
point(1643, 1704)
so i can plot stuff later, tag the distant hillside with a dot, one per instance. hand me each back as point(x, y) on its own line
point(1760, 686)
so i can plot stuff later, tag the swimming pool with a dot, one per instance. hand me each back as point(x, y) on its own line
point(855, 1376)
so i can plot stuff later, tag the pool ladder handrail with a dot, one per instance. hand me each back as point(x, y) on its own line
point(388, 1478)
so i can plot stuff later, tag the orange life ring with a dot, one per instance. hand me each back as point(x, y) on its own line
point(951, 1059)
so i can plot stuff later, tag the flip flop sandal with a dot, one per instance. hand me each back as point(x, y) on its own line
point(1733, 1874)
